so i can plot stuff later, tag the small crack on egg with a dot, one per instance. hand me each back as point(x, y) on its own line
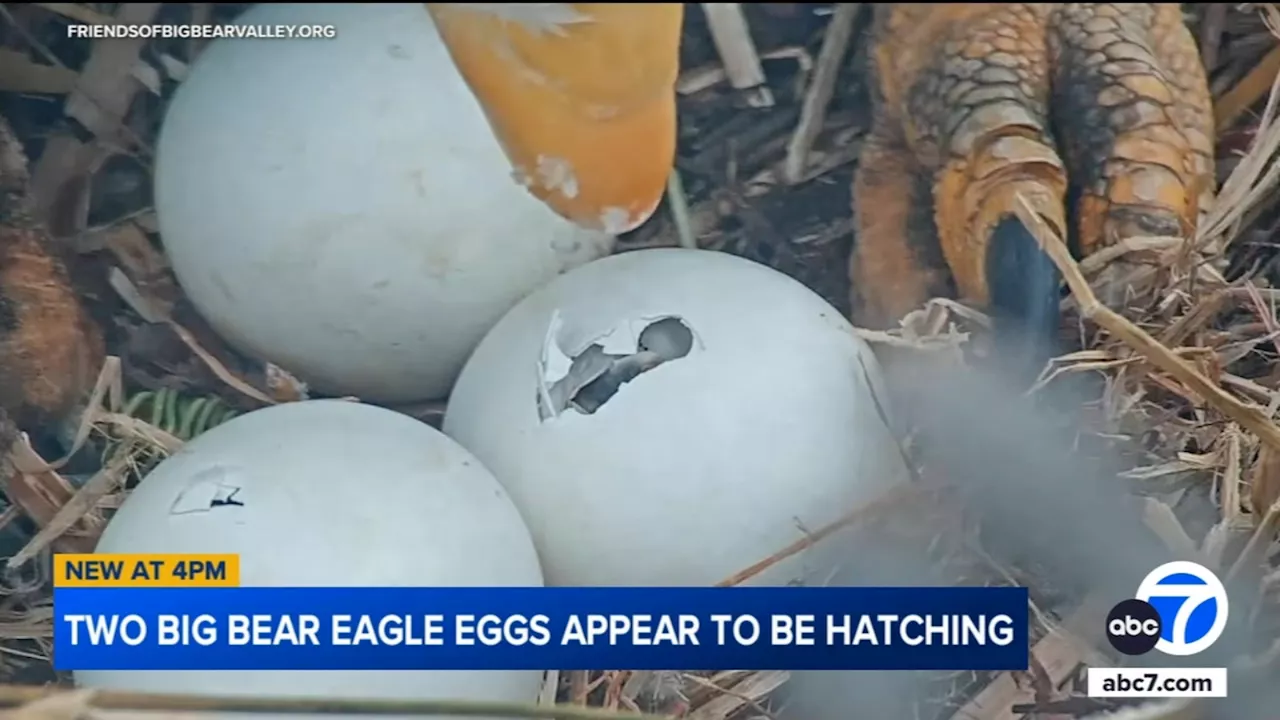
point(557, 174)
point(210, 488)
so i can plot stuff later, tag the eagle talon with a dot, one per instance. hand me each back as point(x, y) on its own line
point(977, 104)
point(1025, 287)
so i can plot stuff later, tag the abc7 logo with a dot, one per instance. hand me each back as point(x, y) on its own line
point(1180, 609)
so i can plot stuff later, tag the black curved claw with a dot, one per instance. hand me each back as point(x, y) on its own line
point(1025, 291)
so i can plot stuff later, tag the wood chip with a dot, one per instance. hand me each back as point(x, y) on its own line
point(1251, 88)
point(1060, 653)
point(107, 480)
point(41, 493)
point(1160, 518)
point(830, 58)
point(218, 369)
point(20, 74)
point(73, 705)
point(64, 160)
point(107, 86)
point(77, 12)
point(754, 688)
point(1264, 488)
point(732, 38)
point(134, 298)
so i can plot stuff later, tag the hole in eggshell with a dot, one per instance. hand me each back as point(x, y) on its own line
point(595, 374)
point(211, 488)
point(226, 498)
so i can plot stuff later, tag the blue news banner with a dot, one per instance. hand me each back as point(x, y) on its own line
point(258, 628)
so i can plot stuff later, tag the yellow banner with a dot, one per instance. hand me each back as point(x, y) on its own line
point(146, 570)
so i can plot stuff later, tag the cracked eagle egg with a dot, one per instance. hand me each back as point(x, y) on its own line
point(341, 208)
point(330, 493)
point(670, 417)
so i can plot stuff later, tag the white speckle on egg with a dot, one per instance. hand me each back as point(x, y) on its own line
point(616, 220)
point(557, 174)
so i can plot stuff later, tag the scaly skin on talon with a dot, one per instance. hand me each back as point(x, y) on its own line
point(1140, 149)
point(1097, 114)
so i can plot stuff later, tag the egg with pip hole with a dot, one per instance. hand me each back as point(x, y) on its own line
point(330, 493)
point(673, 416)
point(340, 207)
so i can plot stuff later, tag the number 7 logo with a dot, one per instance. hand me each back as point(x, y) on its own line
point(1192, 604)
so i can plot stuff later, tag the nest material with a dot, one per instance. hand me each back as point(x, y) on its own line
point(1186, 345)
